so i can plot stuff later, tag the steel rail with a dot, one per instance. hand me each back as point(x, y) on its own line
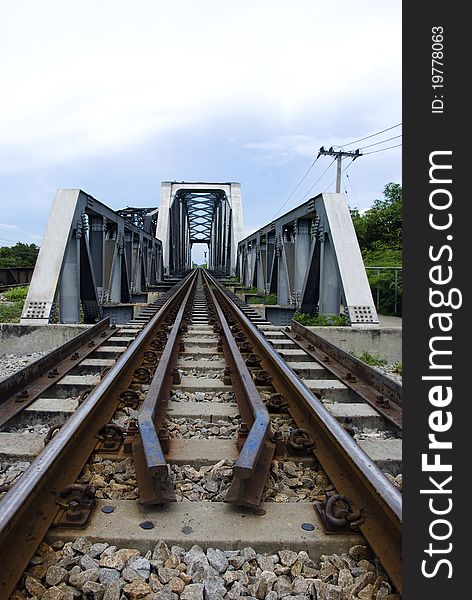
point(348, 369)
point(253, 463)
point(352, 472)
point(34, 379)
point(151, 466)
point(387, 386)
point(29, 507)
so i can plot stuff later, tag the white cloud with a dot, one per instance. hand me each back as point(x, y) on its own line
point(285, 147)
point(8, 226)
point(88, 78)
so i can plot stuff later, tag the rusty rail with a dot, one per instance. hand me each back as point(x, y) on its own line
point(387, 386)
point(353, 473)
point(253, 463)
point(380, 392)
point(23, 387)
point(152, 472)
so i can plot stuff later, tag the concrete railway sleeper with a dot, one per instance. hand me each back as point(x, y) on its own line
point(200, 369)
point(91, 352)
point(21, 389)
point(365, 401)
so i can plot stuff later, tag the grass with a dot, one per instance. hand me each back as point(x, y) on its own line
point(374, 360)
point(10, 311)
point(18, 293)
point(320, 320)
point(398, 368)
point(266, 299)
point(232, 280)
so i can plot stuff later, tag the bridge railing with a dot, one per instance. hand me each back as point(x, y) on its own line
point(15, 276)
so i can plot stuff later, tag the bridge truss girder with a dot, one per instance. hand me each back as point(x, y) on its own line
point(91, 256)
point(310, 258)
point(200, 212)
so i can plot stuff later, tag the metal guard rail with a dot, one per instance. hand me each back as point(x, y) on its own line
point(249, 454)
point(151, 466)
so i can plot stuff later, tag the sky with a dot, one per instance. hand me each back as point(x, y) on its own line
point(115, 96)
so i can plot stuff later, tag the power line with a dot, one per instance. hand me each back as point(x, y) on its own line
point(370, 136)
point(297, 186)
point(382, 149)
point(319, 179)
point(352, 188)
point(324, 172)
point(382, 142)
point(5, 240)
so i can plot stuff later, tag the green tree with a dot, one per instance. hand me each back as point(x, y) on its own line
point(379, 231)
point(381, 225)
point(19, 255)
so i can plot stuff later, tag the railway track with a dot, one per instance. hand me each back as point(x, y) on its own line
point(191, 426)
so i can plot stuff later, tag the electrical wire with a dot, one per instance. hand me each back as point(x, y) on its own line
point(319, 179)
point(352, 188)
point(297, 186)
point(381, 150)
point(369, 136)
point(382, 142)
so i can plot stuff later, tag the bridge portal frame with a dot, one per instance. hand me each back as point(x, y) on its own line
point(174, 228)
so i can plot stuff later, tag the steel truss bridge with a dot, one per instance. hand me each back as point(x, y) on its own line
point(96, 261)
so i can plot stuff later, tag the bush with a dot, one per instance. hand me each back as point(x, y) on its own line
point(383, 281)
point(320, 320)
point(11, 304)
point(398, 368)
point(379, 231)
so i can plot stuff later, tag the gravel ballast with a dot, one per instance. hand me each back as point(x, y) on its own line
point(180, 396)
point(10, 473)
point(288, 481)
point(86, 569)
point(10, 363)
point(186, 428)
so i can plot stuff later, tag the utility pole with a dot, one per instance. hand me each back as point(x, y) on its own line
point(339, 157)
